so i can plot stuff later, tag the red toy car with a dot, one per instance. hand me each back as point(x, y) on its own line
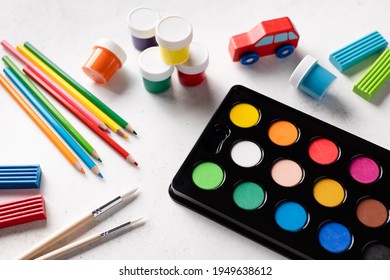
point(276, 36)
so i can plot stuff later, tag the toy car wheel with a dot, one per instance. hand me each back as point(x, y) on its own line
point(249, 58)
point(284, 51)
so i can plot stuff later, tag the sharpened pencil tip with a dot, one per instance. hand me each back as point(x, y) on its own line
point(135, 133)
point(95, 155)
point(122, 133)
point(107, 130)
point(136, 163)
point(78, 167)
point(100, 175)
point(99, 159)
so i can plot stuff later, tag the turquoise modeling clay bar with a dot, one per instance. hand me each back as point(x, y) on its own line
point(20, 177)
point(358, 51)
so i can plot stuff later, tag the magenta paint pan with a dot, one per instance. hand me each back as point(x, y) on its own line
point(293, 183)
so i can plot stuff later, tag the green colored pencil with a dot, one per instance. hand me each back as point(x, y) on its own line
point(56, 114)
point(81, 89)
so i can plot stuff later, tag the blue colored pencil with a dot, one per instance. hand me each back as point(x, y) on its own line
point(53, 122)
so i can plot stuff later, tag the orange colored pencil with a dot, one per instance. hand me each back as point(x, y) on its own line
point(41, 124)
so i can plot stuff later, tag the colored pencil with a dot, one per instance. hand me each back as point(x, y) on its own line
point(72, 91)
point(80, 88)
point(82, 222)
point(49, 89)
point(52, 121)
point(59, 89)
point(92, 239)
point(53, 111)
point(41, 124)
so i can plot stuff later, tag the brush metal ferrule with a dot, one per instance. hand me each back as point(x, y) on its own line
point(117, 228)
point(100, 210)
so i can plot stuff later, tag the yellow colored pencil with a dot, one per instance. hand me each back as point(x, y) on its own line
point(41, 124)
point(72, 91)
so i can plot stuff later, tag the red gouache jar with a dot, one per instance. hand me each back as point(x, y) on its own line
point(192, 72)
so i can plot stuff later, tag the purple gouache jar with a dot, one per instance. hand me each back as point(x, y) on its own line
point(142, 22)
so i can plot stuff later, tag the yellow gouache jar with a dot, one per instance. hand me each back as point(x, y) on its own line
point(174, 35)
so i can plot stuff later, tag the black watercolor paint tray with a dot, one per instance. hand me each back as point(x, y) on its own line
point(269, 224)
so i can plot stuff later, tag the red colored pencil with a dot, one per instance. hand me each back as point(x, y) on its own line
point(85, 120)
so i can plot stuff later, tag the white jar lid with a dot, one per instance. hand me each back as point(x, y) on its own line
point(174, 33)
point(302, 69)
point(112, 47)
point(142, 22)
point(152, 67)
point(197, 62)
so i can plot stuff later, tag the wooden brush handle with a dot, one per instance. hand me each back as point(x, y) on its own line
point(57, 237)
point(56, 254)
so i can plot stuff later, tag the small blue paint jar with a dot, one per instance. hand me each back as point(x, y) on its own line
point(142, 22)
point(312, 78)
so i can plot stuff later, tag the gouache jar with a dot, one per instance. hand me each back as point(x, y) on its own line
point(107, 57)
point(142, 22)
point(156, 74)
point(312, 78)
point(174, 35)
point(192, 72)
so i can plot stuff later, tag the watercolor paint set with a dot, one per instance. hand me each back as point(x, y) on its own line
point(293, 183)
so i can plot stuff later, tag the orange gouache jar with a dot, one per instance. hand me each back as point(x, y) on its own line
point(107, 57)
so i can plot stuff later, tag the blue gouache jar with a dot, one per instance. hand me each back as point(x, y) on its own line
point(312, 78)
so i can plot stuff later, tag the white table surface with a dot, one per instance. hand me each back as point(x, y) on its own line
point(169, 124)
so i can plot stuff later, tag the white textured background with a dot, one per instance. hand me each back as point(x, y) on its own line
point(169, 124)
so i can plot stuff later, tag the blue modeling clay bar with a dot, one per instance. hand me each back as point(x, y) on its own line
point(358, 51)
point(312, 78)
point(20, 177)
